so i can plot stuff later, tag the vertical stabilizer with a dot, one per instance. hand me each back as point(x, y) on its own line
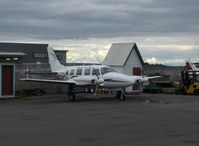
point(55, 65)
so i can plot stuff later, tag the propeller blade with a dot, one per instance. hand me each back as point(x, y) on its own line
point(99, 81)
point(96, 73)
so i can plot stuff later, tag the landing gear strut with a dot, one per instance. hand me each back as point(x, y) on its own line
point(71, 97)
point(120, 95)
point(71, 94)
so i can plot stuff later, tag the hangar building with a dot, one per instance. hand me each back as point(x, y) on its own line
point(125, 58)
point(7, 73)
point(35, 53)
point(16, 59)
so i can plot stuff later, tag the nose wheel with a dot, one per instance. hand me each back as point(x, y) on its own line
point(120, 95)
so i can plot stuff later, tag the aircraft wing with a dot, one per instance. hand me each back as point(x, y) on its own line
point(77, 81)
point(69, 82)
point(40, 73)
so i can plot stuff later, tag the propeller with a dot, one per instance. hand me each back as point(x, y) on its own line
point(99, 81)
point(96, 73)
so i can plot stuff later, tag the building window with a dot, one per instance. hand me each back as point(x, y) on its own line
point(40, 55)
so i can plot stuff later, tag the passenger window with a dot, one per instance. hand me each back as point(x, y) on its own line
point(87, 71)
point(95, 71)
point(72, 72)
point(66, 72)
point(79, 72)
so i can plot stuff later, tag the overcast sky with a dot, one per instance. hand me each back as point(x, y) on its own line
point(166, 31)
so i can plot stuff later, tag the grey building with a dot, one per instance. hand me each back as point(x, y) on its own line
point(125, 58)
point(34, 53)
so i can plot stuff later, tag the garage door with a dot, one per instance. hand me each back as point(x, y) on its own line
point(7, 80)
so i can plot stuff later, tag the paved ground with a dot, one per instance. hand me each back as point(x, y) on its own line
point(146, 119)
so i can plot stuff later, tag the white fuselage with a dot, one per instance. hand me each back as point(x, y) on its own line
point(102, 75)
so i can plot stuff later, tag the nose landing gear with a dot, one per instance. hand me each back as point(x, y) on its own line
point(120, 95)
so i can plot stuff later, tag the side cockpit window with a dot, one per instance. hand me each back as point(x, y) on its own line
point(105, 70)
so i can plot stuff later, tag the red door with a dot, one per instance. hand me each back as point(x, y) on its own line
point(136, 72)
point(7, 80)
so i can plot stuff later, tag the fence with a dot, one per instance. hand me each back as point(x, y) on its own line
point(38, 71)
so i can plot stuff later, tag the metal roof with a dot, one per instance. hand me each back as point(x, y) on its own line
point(119, 53)
point(60, 50)
point(7, 44)
point(12, 54)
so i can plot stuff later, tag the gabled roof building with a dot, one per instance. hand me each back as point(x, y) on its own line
point(125, 58)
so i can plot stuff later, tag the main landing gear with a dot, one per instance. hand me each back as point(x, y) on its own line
point(71, 97)
point(120, 95)
point(71, 94)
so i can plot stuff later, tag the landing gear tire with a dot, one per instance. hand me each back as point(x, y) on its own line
point(71, 97)
point(120, 96)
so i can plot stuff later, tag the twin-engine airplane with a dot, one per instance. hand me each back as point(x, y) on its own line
point(89, 76)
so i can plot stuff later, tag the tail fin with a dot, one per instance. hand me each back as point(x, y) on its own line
point(53, 61)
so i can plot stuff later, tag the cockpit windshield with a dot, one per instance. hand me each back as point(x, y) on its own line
point(105, 70)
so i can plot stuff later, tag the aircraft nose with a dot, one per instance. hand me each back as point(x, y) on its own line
point(120, 77)
point(127, 79)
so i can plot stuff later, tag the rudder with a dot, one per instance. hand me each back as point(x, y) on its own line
point(55, 65)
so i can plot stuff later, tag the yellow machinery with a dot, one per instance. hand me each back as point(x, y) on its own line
point(190, 82)
point(193, 89)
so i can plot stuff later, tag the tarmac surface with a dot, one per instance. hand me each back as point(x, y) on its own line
point(141, 120)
